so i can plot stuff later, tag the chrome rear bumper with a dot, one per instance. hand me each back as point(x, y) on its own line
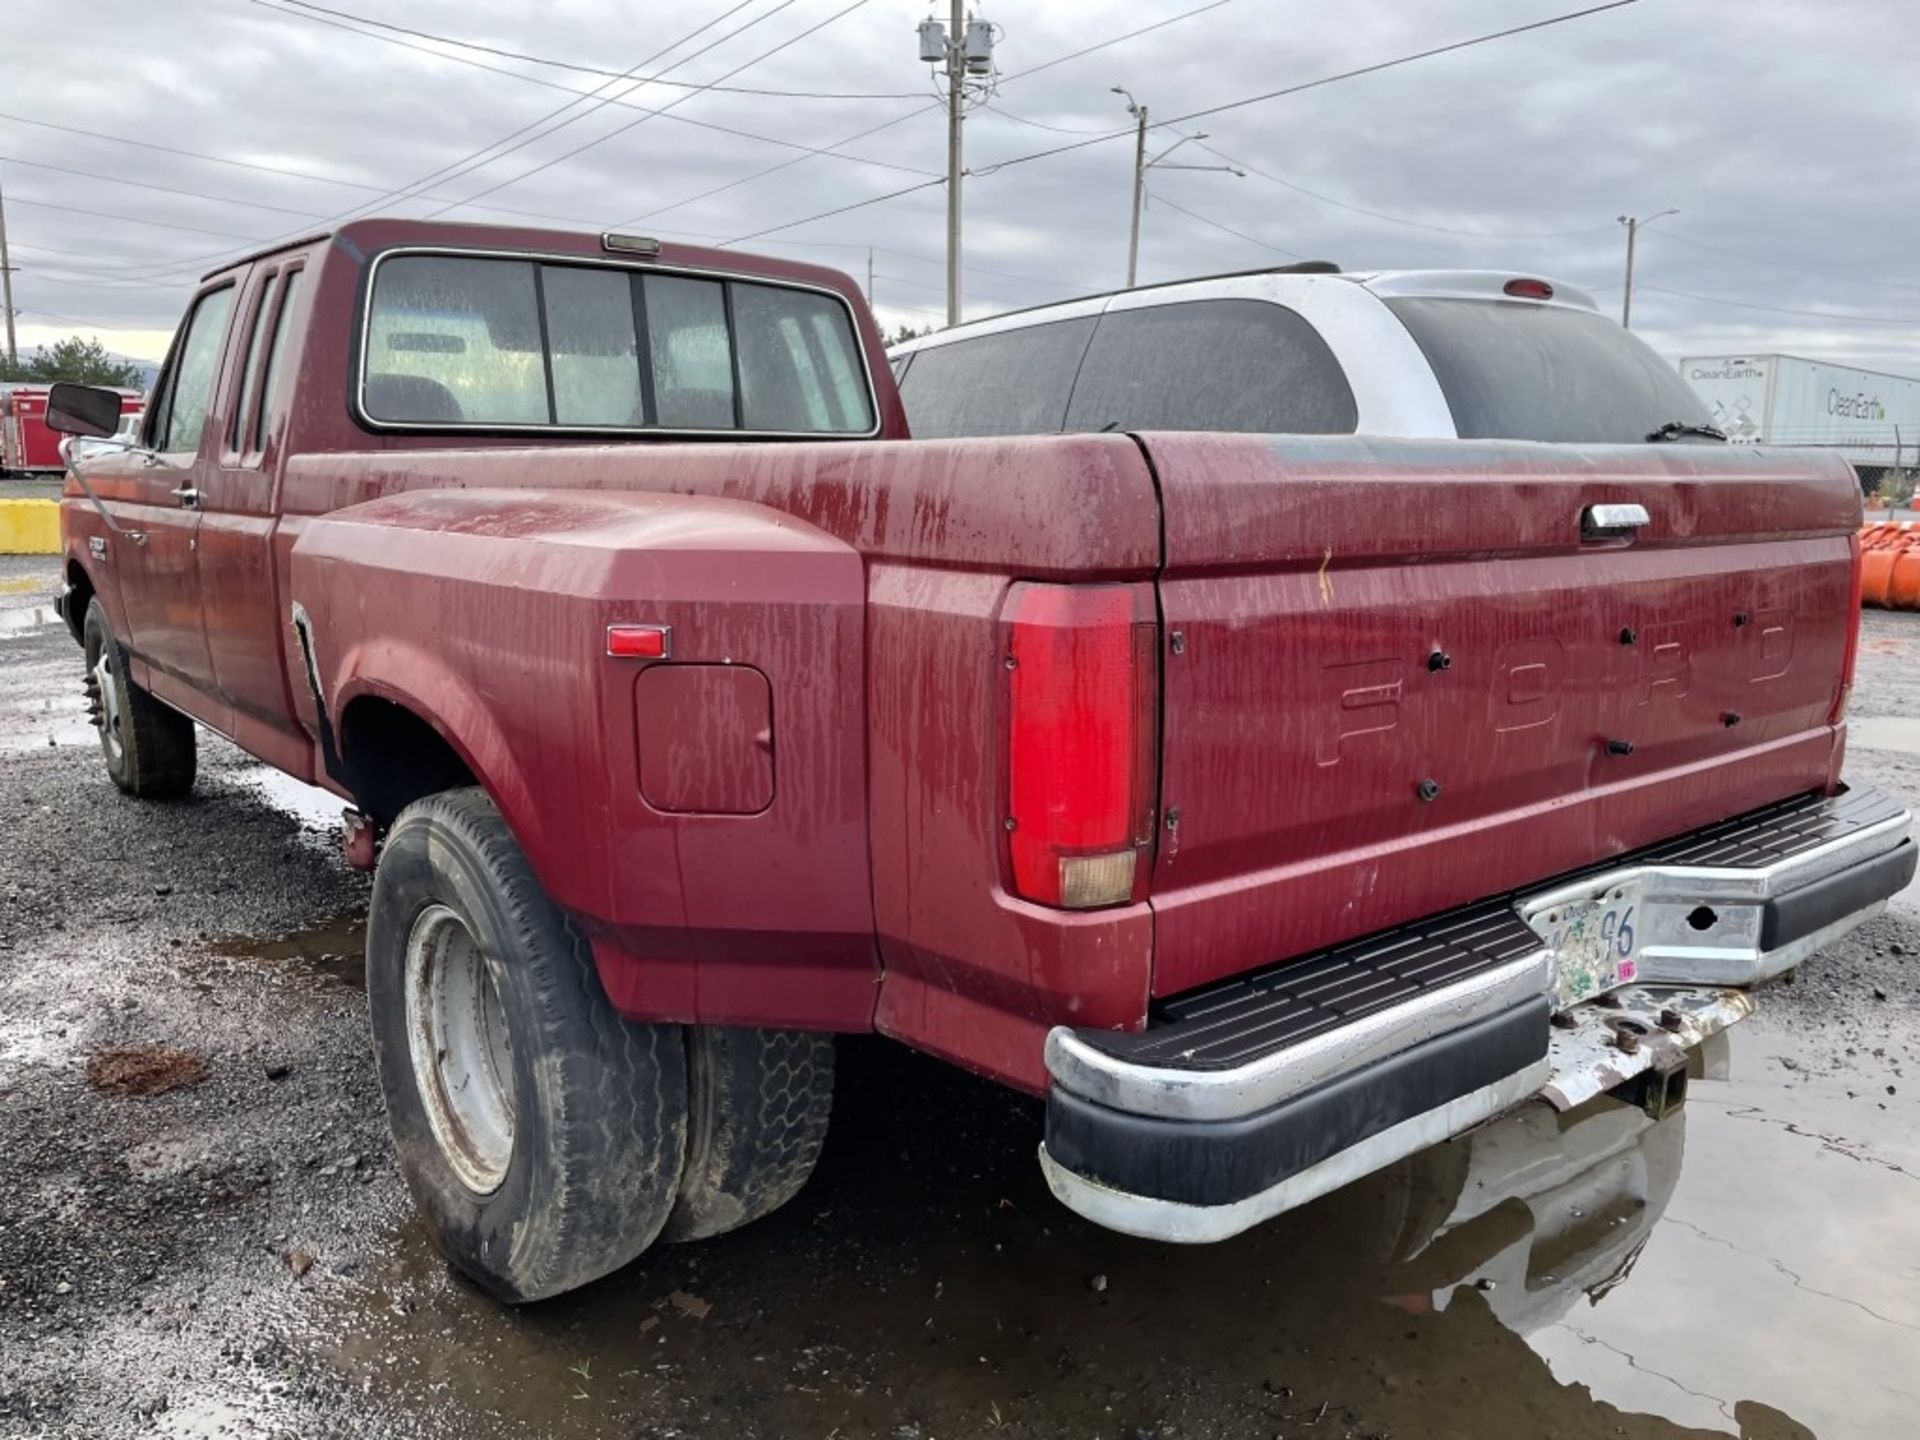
point(1253, 1097)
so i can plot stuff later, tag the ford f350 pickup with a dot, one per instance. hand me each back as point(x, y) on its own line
point(1275, 805)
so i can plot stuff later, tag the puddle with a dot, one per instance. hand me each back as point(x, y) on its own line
point(15, 621)
point(1740, 1268)
point(335, 950)
point(206, 1417)
point(1885, 732)
point(310, 806)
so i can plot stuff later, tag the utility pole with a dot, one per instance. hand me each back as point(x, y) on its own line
point(1141, 164)
point(6, 283)
point(1633, 224)
point(869, 277)
point(956, 94)
point(965, 46)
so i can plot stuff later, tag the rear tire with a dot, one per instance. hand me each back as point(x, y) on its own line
point(759, 1102)
point(540, 1133)
point(149, 747)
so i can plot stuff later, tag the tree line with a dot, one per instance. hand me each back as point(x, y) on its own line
point(85, 362)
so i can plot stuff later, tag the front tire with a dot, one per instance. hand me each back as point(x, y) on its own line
point(149, 747)
point(541, 1134)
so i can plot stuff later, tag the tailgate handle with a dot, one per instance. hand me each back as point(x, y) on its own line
point(1599, 522)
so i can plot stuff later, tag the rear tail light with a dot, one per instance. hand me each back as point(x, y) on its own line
point(1852, 651)
point(1529, 289)
point(1083, 693)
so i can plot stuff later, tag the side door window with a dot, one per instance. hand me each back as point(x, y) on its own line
point(1228, 365)
point(181, 416)
point(239, 426)
point(1014, 383)
point(272, 375)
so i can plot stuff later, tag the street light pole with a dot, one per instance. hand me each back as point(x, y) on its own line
point(1141, 164)
point(1139, 192)
point(1633, 224)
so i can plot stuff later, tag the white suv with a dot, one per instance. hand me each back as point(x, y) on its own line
point(1305, 349)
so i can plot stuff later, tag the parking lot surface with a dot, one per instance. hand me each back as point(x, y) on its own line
point(202, 1233)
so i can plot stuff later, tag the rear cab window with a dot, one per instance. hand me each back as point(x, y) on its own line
point(501, 342)
point(1517, 370)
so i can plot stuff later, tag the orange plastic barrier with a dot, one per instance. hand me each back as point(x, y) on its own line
point(1890, 564)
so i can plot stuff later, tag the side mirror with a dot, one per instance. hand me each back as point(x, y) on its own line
point(82, 410)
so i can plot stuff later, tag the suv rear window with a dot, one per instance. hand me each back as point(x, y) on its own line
point(1517, 371)
point(463, 341)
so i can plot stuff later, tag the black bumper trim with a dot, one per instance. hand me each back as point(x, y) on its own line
point(1799, 913)
point(1218, 1162)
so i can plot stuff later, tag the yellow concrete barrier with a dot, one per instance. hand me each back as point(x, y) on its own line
point(29, 527)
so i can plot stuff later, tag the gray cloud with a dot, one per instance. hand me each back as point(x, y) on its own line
point(1783, 132)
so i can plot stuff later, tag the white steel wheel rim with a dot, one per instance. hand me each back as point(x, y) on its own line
point(103, 681)
point(462, 1055)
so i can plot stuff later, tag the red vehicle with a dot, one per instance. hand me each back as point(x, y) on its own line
point(27, 445)
point(1275, 805)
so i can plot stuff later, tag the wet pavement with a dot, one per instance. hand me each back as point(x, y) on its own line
point(238, 1256)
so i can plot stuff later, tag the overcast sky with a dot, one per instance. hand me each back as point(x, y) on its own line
point(1783, 131)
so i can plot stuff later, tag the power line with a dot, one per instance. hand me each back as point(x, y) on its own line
point(1372, 69)
point(621, 102)
point(631, 124)
point(1299, 189)
point(911, 114)
point(530, 132)
point(1238, 234)
point(481, 156)
point(1783, 310)
point(133, 220)
point(783, 165)
point(1000, 112)
point(505, 54)
point(838, 210)
point(163, 189)
point(1116, 40)
point(279, 170)
point(190, 154)
point(1671, 234)
point(1356, 73)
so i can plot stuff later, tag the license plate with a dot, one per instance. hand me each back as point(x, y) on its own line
point(1596, 943)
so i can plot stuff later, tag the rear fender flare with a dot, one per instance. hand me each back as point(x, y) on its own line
point(438, 695)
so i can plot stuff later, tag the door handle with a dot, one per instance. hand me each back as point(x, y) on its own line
point(188, 497)
point(1599, 522)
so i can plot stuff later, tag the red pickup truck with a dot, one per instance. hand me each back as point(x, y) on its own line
point(1275, 805)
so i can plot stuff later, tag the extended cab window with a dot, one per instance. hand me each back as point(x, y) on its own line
point(508, 343)
point(188, 397)
point(1245, 365)
point(1514, 370)
point(1015, 382)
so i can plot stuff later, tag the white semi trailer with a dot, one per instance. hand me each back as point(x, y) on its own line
point(1871, 418)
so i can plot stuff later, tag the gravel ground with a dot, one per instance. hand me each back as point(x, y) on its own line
point(237, 1256)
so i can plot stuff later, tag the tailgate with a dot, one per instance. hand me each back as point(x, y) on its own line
point(1399, 679)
